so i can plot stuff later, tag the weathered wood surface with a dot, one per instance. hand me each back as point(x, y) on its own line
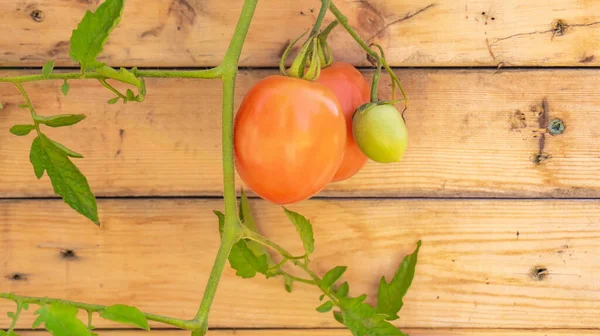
point(475, 268)
point(333, 332)
point(414, 33)
point(473, 133)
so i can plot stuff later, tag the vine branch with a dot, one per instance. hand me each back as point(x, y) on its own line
point(93, 308)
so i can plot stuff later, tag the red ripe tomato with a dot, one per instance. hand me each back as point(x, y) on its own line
point(289, 138)
point(352, 91)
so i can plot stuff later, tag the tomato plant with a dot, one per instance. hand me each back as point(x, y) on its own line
point(352, 91)
point(290, 138)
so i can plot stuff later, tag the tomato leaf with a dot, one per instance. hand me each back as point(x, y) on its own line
point(66, 178)
point(60, 120)
point(60, 320)
point(331, 277)
point(390, 295)
point(288, 283)
point(65, 88)
point(130, 95)
point(304, 228)
point(338, 316)
point(242, 258)
point(87, 41)
point(343, 290)
point(7, 333)
point(67, 151)
point(47, 69)
point(325, 307)
point(124, 75)
point(23, 106)
point(125, 314)
point(245, 262)
point(21, 130)
point(113, 100)
point(362, 319)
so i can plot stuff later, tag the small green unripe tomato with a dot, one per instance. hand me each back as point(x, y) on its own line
point(380, 132)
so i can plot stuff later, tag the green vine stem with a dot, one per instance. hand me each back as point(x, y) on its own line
point(16, 316)
point(183, 324)
point(343, 20)
point(300, 263)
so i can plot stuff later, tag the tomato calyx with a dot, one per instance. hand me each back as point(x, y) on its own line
point(314, 55)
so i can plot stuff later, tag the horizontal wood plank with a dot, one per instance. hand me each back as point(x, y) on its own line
point(477, 268)
point(414, 33)
point(473, 133)
point(332, 332)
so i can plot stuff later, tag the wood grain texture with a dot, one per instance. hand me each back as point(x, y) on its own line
point(475, 269)
point(414, 33)
point(473, 133)
point(332, 332)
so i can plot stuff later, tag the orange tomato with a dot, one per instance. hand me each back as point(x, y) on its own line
point(352, 91)
point(289, 138)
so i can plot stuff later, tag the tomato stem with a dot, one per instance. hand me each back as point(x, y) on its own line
point(231, 229)
point(375, 85)
point(344, 22)
point(324, 6)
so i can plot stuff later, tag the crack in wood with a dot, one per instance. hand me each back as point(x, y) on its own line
point(406, 17)
point(558, 29)
point(489, 47)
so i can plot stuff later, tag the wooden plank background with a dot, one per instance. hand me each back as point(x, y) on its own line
point(475, 268)
point(414, 33)
point(473, 133)
point(493, 204)
point(334, 332)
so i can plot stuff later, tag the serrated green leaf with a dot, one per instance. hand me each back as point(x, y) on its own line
point(36, 157)
point(25, 305)
point(331, 277)
point(338, 316)
point(125, 314)
point(21, 130)
point(65, 88)
point(304, 228)
point(87, 41)
point(47, 69)
point(390, 295)
point(325, 307)
point(61, 320)
point(241, 258)
point(23, 106)
point(130, 95)
point(245, 262)
point(321, 297)
point(11, 315)
point(66, 178)
point(362, 320)
point(123, 75)
point(60, 120)
point(7, 333)
point(343, 290)
point(67, 151)
point(113, 101)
